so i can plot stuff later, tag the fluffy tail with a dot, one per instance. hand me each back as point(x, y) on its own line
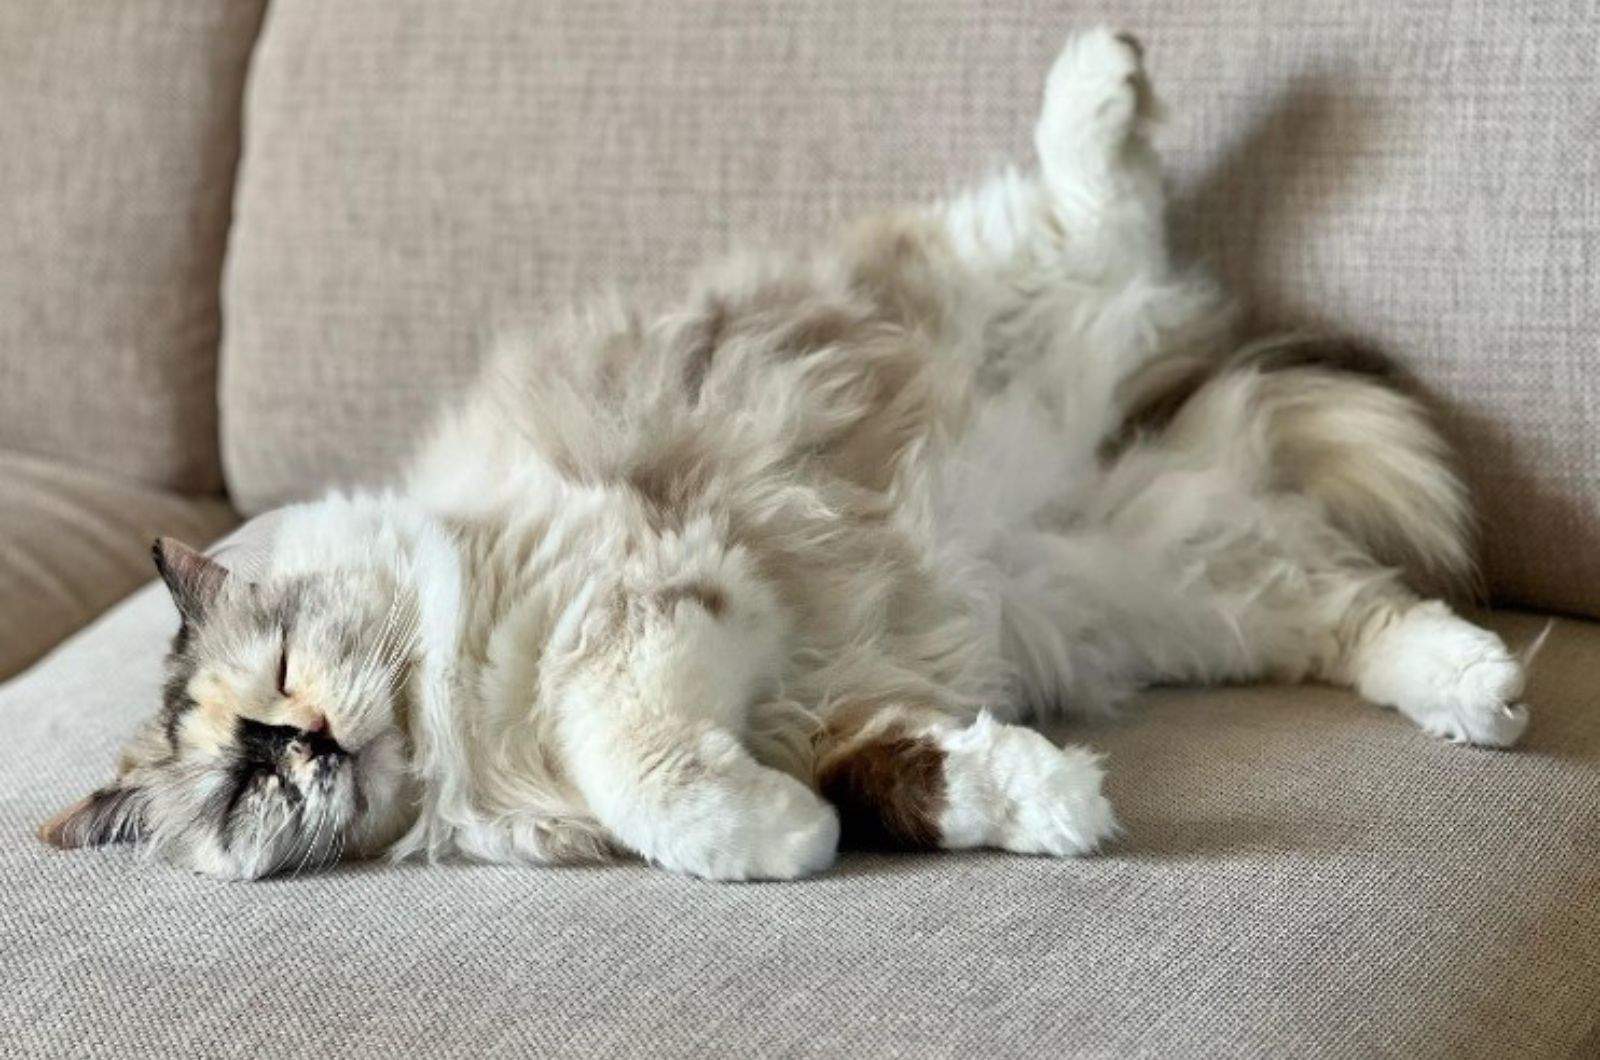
point(1332, 422)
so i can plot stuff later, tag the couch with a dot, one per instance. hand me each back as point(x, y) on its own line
point(251, 245)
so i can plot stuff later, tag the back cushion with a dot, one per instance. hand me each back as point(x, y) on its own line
point(120, 130)
point(420, 172)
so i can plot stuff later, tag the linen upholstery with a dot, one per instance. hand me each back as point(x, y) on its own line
point(421, 172)
point(1301, 876)
point(120, 130)
point(73, 542)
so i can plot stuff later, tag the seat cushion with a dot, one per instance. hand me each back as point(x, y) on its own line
point(121, 130)
point(422, 172)
point(73, 542)
point(1301, 875)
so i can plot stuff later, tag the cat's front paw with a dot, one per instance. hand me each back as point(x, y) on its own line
point(760, 825)
point(1010, 787)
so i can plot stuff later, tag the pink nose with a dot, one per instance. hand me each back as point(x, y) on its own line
point(317, 723)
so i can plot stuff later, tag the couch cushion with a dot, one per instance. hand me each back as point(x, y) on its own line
point(121, 128)
point(421, 171)
point(73, 542)
point(1300, 876)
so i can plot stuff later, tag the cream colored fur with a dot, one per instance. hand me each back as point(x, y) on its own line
point(653, 554)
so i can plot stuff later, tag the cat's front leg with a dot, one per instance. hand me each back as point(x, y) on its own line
point(653, 699)
point(690, 798)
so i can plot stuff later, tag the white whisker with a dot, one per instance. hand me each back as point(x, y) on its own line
point(316, 840)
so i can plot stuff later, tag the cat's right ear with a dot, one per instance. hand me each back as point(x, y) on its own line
point(193, 578)
point(111, 815)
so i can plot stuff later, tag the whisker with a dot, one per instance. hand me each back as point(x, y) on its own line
point(402, 654)
point(316, 839)
point(403, 641)
point(289, 814)
point(392, 640)
point(384, 677)
point(375, 647)
point(341, 838)
point(292, 816)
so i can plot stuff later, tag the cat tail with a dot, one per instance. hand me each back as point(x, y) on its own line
point(1333, 421)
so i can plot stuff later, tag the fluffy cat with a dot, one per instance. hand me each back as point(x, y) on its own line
point(800, 554)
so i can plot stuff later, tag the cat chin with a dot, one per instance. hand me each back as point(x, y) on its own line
point(360, 820)
point(211, 861)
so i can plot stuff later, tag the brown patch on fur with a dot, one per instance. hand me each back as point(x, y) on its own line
point(701, 340)
point(61, 830)
point(818, 328)
point(614, 357)
point(890, 263)
point(708, 596)
point(894, 373)
point(1316, 351)
point(669, 476)
point(652, 485)
point(1154, 395)
point(889, 789)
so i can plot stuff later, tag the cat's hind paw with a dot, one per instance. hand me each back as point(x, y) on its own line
point(1453, 679)
point(1096, 94)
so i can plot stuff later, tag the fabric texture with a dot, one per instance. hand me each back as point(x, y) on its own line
point(421, 173)
point(121, 133)
point(73, 542)
point(1301, 875)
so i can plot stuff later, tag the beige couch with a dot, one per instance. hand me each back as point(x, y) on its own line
point(244, 256)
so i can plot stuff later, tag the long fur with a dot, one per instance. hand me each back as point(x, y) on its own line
point(837, 520)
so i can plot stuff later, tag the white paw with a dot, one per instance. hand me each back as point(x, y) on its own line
point(1009, 787)
point(1096, 91)
point(758, 824)
point(1482, 709)
point(1452, 678)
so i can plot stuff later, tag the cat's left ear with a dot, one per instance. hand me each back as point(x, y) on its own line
point(193, 578)
point(114, 814)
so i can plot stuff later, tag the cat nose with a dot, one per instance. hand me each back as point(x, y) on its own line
point(315, 739)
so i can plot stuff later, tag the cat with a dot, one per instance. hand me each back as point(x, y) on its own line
point(791, 564)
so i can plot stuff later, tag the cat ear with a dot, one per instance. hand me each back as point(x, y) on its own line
point(194, 579)
point(111, 815)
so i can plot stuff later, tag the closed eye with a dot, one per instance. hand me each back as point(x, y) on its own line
point(283, 669)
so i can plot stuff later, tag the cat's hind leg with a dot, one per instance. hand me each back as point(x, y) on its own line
point(1452, 678)
point(1303, 601)
point(1273, 530)
point(1096, 209)
point(1360, 501)
point(909, 775)
point(1256, 589)
point(1096, 162)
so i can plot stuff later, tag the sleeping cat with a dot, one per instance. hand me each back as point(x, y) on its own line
point(797, 557)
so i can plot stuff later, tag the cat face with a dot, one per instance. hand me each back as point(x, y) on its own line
point(281, 741)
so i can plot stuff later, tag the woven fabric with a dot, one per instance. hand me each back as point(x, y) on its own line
point(73, 542)
point(120, 128)
point(422, 172)
point(1300, 876)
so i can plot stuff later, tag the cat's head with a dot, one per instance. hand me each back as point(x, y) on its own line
point(281, 741)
